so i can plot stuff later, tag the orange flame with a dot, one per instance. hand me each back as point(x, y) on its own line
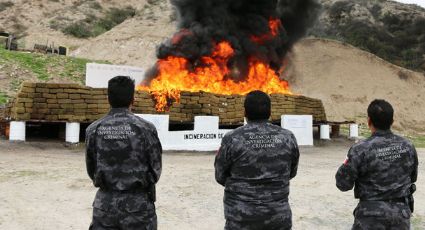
point(174, 75)
point(274, 26)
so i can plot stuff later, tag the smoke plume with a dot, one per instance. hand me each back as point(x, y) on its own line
point(203, 23)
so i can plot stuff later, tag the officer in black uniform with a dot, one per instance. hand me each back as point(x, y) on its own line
point(255, 163)
point(382, 169)
point(123, 157)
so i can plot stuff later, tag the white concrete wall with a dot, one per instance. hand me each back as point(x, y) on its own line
point(205, 137)
point(98, 75)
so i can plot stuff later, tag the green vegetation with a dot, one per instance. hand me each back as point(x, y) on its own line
point(399, 39)
point(418, 141)
point(3, 98)
point(417, 221)
point(47, 67)
point(24, 66)
point(35, 63)
point(93, 26)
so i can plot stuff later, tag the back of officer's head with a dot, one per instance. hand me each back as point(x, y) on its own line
point(257, 106)
point(381, 114)
point(121, 92)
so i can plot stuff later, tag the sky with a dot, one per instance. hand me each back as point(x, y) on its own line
point(419, 2)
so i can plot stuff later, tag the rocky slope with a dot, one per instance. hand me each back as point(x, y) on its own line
point(389, 29)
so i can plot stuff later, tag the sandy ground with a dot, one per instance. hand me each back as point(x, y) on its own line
point(45, 186)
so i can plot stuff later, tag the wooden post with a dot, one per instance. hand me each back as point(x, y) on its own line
point(335, 130)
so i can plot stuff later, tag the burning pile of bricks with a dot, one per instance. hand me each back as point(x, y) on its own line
point(76, 103)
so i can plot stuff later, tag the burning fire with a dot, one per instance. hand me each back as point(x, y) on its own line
point(274, 26)
point(176, 74)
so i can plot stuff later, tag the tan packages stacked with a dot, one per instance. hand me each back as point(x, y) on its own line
point(59, 102)
point(76, 103)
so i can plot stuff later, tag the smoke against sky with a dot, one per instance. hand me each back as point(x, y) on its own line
point(205, 22)
point(418, 2)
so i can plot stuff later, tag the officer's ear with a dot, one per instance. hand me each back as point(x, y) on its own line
point(370, 124)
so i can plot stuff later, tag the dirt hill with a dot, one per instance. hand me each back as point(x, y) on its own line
point(133, 42)
point(347, 79)
point(43, 21)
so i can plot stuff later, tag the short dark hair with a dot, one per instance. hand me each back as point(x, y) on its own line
point(121, 91)
point(381, 114)
point(257, 106)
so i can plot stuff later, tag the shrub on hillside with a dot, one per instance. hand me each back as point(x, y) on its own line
point(79, 30)
point(5, 5)
point(92, 26)
point(376, 11)
point(339, 8)
point(96, 6)
point(397, 38)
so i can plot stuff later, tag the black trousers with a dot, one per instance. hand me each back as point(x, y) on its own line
point(283, 222)
point(123, 210)
point(381, 215)
point(121, 220)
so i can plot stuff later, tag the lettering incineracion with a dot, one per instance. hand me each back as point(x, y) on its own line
point(204, 136)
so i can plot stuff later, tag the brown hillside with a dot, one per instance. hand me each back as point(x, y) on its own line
point(33, 21)
point(347, 79)
point(133, 42)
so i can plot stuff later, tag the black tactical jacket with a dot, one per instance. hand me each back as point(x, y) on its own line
point(123, 152)
point(382, 167)
point(255, 163)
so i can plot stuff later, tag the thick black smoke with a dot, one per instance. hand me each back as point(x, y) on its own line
point(202, 23)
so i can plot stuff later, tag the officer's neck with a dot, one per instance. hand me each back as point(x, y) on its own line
point(120, 109)
point(379, 132)
point(372, 129)
point(258, 121)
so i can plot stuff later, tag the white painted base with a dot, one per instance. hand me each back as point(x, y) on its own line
point(354, 130)
point(301, 126)
point(325, 131)
point(17, 131)
point(72, 133)
point(207, 136)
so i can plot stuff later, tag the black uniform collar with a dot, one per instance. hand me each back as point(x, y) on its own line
point(381, 133)
point(118, 110)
